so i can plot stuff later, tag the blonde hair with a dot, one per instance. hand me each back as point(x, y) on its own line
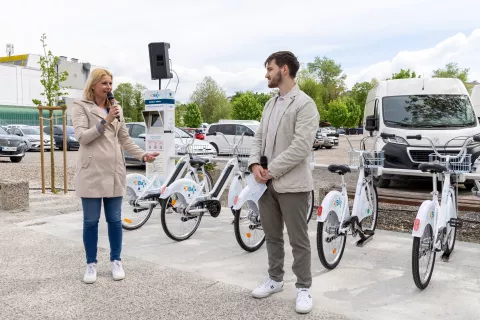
point(94, 78)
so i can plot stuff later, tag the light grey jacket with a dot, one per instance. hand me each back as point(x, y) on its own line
point(294, 135)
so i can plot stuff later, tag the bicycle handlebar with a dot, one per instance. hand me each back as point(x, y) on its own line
point(382, 135)
point(462, 150)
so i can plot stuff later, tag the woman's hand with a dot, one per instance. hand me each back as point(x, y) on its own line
point(112, 114)
point(150, 156)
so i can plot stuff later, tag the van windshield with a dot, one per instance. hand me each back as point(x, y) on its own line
point(428, 111)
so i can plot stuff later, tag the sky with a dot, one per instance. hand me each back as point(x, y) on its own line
point(230, 40)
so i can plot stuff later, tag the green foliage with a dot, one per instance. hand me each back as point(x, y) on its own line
point(337, 113)
point(359, 94)
point(308, 84)
point(403, 74)
point(180, 110)
point(50, 78)
point(211, 100)
point(329, 74)
point(130, 97)
point(354, 113)
point(246, 107)
point(452, 71)
point(262, 98)
point(192, 117)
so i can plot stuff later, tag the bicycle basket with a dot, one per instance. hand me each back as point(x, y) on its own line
point(374, 159)
point(242, 154)
point(454, 164)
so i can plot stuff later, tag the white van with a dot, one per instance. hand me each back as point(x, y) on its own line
point(437, 108)
point(475, 97)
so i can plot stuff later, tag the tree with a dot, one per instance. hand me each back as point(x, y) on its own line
point(192, 117)
point(354, 113)
point(180, 110)
point(403, 74)
point(314, 90)
point(211, 100)
point(337, 113)
point(329, 74)
point(452, 71)
point(138, 102)
point(51, 80)
point(246, 107)
point(262, 98)
point(359, 94)
point(130, 97)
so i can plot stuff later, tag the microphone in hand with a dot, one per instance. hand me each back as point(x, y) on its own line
point(113, 102)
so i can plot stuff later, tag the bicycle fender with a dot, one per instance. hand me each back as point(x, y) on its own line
point(234, 191)
point(137, 182)
point(246, 195)
point(333, 201)
point(425, 215)
point(186, 187)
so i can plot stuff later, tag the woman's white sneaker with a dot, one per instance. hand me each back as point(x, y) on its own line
point(268, 287)
point(90, 273)
point(117, 270)
point(304, 301)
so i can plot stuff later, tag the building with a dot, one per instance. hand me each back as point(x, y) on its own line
point(20, 77)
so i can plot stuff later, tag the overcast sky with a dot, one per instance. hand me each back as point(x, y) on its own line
point(230, 40)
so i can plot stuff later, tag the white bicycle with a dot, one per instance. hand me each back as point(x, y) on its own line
point(334, 221)
point(436, 223)
point(142, 194)
point(185, 201)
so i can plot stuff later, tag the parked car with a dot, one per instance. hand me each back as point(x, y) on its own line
point(137, 132)
point(199, 134)
point(72, 142)
point(330, 139)
point(31, 136)
point(232, 129)
point(11, 146)
point(318, 142)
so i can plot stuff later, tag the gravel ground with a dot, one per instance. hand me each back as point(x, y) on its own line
point(391, 217)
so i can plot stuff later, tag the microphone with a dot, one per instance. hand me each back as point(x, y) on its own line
point(113, 102)
point(264, 162)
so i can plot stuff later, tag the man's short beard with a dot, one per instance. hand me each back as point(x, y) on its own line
point(276, 80)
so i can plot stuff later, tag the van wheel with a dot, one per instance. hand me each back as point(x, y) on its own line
point(215, 146)
point(469, 184)
point(380, 182)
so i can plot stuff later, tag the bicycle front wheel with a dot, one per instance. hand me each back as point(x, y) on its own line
point(451, 231)
point(370, 221)
point(177, 224)
point(248, 229)
point(201, 177)
point(134, 215)
point(423, 258)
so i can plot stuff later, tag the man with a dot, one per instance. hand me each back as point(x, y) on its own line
point(287, 130)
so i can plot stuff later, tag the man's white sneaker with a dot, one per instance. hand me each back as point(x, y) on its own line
point(304, 301)
point(117, 270)
point(90, 273)
point(267, 288)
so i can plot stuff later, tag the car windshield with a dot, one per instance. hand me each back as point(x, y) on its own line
point(2, 131)
point(31, 131)
point(253, 127)
point(428, 111)
point(182, 134)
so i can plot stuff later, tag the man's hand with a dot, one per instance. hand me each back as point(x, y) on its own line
point(260, 174)
point(150, 157)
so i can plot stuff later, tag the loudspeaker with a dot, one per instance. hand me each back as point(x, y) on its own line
point(159, 61)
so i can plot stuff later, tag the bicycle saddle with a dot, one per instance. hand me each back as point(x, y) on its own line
point(432, 167)
point(198, 162)
point(339, 168)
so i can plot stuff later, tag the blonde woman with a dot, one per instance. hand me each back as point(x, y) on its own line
point(101, 172)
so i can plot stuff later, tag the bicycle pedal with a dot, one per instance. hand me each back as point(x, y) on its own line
point(362, 242)
point(455, 223)
point(368, 232)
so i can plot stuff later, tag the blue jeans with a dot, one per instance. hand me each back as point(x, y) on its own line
point(91, 215)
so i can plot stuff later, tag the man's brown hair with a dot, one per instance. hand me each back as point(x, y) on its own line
point(285, 58)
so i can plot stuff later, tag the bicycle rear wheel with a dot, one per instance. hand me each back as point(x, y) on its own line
point(423, 249)
point(311, 201)
point(330, 246)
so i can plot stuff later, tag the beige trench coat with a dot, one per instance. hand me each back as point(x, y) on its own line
point(101, 170)
point(293, 136)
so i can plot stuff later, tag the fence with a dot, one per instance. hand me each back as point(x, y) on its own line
point(28, 116)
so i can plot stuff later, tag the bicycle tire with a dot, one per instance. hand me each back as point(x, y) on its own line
point(311, 204)
point(165, 227)
point(415, 261)
point(134, 227)
point(375, 213)
point(321, 251)
point(450, 248)
point(239, 238)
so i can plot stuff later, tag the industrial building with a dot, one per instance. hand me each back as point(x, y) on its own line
point(20, 77)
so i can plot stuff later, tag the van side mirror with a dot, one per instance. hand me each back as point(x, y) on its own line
point(142, 135)
point(371, 123)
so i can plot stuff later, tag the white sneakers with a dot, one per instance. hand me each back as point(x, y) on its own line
point(267, 288)
point(117, 270)
point(304, 299)
point(91, 273)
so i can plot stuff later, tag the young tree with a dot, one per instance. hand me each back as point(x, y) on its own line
point(354, 113)
point(192, 117)
point(246, 107)
point(330, 75)
point(211, 100)
point(337, 113)
point(51, 81)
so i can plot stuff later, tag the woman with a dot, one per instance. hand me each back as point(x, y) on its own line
point(101, 172)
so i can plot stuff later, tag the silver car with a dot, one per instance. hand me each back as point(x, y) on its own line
point(137, 130)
